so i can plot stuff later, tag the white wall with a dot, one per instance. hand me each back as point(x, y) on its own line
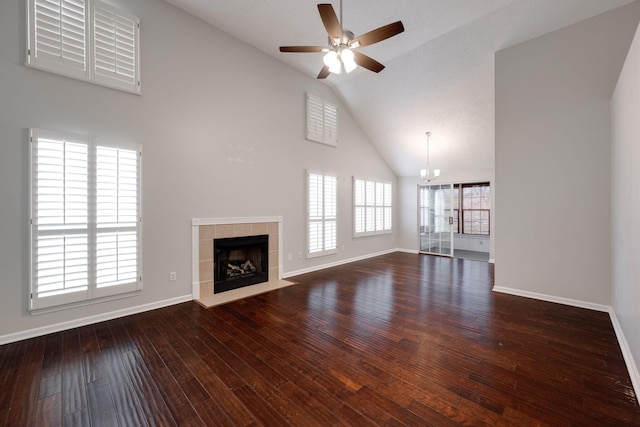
point(471, 243)
point(408, 189)
point(553, 158)
point(222, 129)
point(625, 202)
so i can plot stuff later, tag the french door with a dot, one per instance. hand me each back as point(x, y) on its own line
point(435, 205)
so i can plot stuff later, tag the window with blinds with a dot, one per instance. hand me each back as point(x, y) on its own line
point(322, 214)
point(372, 207)
point(85, 219)
point(115, 38)
point(322, 121)
point(85, 39)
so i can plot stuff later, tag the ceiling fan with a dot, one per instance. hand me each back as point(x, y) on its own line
point(340, 54)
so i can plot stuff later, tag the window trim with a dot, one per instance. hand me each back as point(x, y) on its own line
point(93, 293)
point(324, 219)
point(459, 228)
point(50, 63)
point(384, 206)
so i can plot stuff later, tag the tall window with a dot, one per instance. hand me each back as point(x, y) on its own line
point(322, 215)
point(85, 39)
point(85, 219)
point(472, 212)
point(372, 207)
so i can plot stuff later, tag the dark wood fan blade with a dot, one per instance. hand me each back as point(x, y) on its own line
point(367, 62)
point(302, 49)
point(330, 20)
point(324, 73)
point(378, 34)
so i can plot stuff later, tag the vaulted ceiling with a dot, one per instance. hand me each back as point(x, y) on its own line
point(439, 73)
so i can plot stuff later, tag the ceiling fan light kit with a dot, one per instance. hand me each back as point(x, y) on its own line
point(340, 55)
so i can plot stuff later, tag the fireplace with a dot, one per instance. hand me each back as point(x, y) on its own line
point(240, 262)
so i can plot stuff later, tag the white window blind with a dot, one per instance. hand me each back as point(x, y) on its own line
point(372, 207)
point(115, 41)
point(322, 214)
point(58, 32)
point(85, 39)
point(322, 121)
point(85, 219)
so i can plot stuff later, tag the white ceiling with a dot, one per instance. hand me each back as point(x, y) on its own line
point(439, 73)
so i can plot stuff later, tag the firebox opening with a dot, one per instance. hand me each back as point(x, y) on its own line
point(239, 262)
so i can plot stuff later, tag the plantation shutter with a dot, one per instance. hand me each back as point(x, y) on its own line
point(85, 219)
point(322, 214)
point(370, 189)
point(116, 216)
point(330, 124)
point(330, 213)
point(372, 206)
point(322, 120)
point(60, 221)
point(388, 204)
point(115, 47)
point(58, 35)
point(379, 206)
point(359, 208)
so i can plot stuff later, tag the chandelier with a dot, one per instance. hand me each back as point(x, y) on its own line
point(426, 174)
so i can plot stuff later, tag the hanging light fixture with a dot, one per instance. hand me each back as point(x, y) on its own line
point(425, 174)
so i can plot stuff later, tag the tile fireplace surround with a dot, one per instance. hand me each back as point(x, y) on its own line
point(205, 230)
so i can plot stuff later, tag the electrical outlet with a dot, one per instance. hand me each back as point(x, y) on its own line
point(172, 276)
point(289, 257)
point(300, 255)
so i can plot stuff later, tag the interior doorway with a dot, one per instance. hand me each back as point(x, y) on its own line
point(436, 219)
point(454, 220)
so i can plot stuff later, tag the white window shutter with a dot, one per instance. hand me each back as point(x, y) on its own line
point(59, 217)
point(322, 214)
point(372, 206)
point(322, 121)
point(85, 219)
point(330, 124)
point(315, 121)
point(330, 213)
point(387, 207)
point(115, 48)
point(58, 36)
point(116, 216)
point(359, 210)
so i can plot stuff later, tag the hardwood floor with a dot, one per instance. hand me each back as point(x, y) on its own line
point(399, 339)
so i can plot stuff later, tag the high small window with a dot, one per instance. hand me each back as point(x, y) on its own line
point(372, 207)
point(472, 208)
point(85, 39)
point(322, 121)
point(85, 219)
point(321, 214)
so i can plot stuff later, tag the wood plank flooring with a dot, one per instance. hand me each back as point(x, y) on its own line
point(395, 340)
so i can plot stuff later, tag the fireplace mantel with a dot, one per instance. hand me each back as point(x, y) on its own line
point(204, 230)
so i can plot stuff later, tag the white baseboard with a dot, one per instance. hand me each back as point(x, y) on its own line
point(552, 298)
point(632, 368)
point(63, 326)
point(336, 263)
point(408, 251)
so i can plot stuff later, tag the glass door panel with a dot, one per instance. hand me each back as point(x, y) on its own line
point(436, 219)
